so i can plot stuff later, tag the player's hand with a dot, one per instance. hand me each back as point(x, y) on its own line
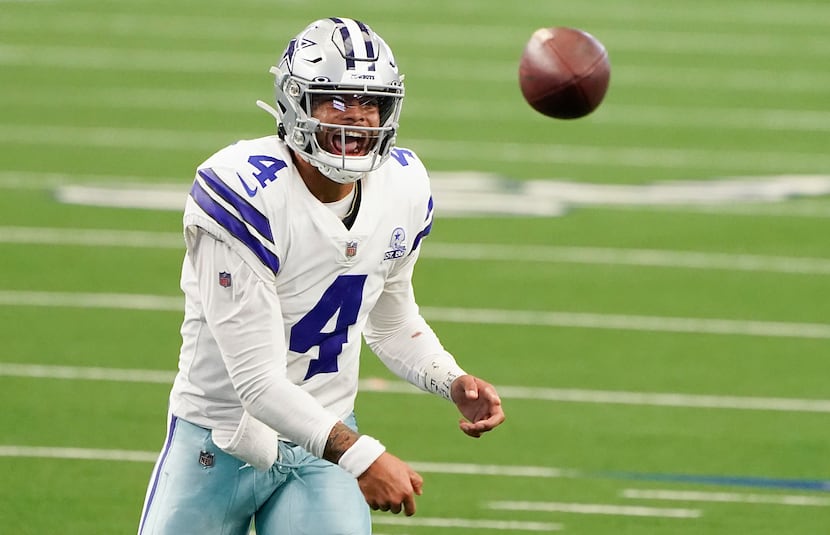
point(480, 404)
point(389, 484)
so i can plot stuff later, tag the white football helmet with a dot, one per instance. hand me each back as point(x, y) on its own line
point(330, 58)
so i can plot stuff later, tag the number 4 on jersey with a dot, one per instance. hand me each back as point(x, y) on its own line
point(342, 299)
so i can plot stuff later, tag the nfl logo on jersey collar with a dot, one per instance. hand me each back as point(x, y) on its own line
point(351, 248)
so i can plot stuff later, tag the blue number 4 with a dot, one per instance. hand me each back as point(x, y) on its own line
point(343, 299)
point(267, 167)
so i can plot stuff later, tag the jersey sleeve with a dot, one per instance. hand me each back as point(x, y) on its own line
point(244, 315)
point(412, 187)
point(218, 204)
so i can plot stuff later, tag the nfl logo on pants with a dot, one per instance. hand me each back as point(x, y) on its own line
point(206, 458)
point(225, 279)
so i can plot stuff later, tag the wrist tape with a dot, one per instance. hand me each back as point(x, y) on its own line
point(440, 374)
point(361, 455)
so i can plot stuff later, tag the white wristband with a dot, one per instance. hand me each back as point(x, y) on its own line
point(361, 455)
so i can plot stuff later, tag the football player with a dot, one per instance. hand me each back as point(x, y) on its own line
point(298, 244)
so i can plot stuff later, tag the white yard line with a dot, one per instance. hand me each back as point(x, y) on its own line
point(595, 509)
point(79, 454)
point(631, 257)
point(739, 28)
point(616, 397)
point(726, 497)
point(494, 470)
point(430, 65)
point(92, 300)
point(127, 375)
point(770, 119)
point(749, 41)
point(36, 452)
point(531, 318)
point(150, 456)
point(461, 251)
point(713, 160)
point(667, 399)
point(466, 523)
point(91, 237)
point(481, 193)
point(625, 322)
point(378, 385)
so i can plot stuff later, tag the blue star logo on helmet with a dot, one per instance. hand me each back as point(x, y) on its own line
point(288, 55)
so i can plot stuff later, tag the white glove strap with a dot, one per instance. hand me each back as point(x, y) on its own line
point(361, 455)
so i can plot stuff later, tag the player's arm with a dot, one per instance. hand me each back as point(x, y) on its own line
point(403, 340)
point(246, 321)
point(245, 318)
point(387, 483)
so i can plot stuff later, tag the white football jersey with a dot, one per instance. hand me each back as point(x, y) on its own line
point(294, 307)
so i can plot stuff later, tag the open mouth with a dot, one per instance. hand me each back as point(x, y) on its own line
point(342, 141)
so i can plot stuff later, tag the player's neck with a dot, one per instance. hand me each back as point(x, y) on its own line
point(325, 189)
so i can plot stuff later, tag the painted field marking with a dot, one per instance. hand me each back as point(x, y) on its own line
point(750, 41)
point(92, 300)
point(150, 457)
point(627, 322)
point(457, 469)
point(545, 472)
point(379, 385)
point(745, 26)
point(466, 523)
point(726, 497)
point(79, 454)
point(630, 257)
point(624, 398)
point(459, 251)
point(118, 375)
point(92, 237)
point(530, 318)
point(714, 160)
point(447, 110)
point(425, 67)
point(463, 193)
point(595, 509)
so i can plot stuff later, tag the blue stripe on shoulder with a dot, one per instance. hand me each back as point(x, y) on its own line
point(233, 225)
point(249, 214)
point(424, 233)
point(421, 235)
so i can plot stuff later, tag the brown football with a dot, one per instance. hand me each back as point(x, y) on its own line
point(564, 72)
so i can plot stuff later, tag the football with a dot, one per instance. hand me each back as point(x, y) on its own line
point(564, 72)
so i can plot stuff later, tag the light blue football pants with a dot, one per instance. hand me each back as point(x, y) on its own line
point(198, 489)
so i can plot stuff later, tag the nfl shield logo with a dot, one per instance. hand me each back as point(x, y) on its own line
point(206, 458)
point(351, 248)
point(224, 279)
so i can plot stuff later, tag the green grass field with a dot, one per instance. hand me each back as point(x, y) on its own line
point(662, 346)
